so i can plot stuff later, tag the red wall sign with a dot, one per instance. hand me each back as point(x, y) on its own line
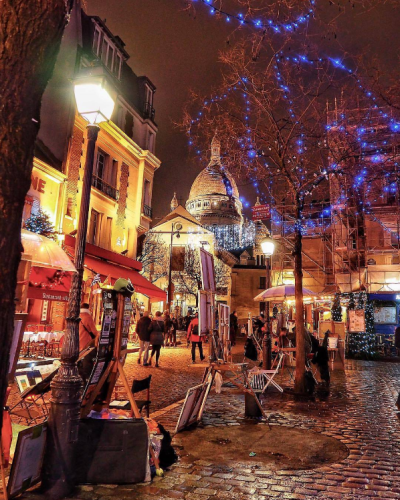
point(260, 212)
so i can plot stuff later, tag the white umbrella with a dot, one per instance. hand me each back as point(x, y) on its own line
point(43, 252)
point(281, 293)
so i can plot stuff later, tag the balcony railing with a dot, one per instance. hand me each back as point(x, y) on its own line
point(147, 211)
point(149, 111)
point(105, 188)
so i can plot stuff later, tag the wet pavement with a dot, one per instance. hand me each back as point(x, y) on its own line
point(359, 411)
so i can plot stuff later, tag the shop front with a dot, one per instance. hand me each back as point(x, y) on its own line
point(102, 269)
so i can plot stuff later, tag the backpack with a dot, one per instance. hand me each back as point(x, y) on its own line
point(195, 330)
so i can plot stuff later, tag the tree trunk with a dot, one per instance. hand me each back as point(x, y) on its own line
point(299, 382)
point(30, 35)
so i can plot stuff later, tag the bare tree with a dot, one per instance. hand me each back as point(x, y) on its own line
point(154, 257)
point(30, 36)
point(271, 117)
point(188, 281)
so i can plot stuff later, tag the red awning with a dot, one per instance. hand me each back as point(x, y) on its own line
point(49, 284)
point(141, 284)
point(113, 264)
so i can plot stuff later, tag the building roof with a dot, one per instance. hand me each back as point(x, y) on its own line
point(179, 212)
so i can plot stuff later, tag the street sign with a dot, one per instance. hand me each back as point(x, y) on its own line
point(260, 212)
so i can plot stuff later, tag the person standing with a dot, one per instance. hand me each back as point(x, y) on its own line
point(194, 337)
point(173, 329)
point(142, 330)
point(88, 337)
point(397, 340)
point(233, 327)
point(167, 328)
point(87, 329)
point(156, 330)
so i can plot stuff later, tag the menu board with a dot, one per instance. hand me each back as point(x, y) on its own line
point(385, 315)
point(356, 320)
point(106, 342)
point(126, 321)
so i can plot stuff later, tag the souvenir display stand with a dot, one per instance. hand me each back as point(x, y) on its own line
point(112, 350)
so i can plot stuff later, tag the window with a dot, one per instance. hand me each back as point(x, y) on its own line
point(108, 231)
point(199, 204)
point(206, 204)
point(146, 193)
point(114, 173)
point(149, 96)
point(94, 227)
point(263, 282)
point(96, 41)
point(260, 260)
point(128, 125)
point(110, 57)
point(150, 141)
point(117, 65)
point(101, 164)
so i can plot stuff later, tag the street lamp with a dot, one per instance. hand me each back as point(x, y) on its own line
point(268, 248)
point(95, 100)
point(176, 227)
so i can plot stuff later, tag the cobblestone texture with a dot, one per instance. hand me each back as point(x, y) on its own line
point(359, 411)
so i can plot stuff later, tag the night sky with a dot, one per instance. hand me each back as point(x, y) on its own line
point(179, 52)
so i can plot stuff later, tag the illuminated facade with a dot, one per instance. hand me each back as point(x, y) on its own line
point(122, 183)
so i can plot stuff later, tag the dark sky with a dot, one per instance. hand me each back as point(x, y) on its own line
point(179, 52)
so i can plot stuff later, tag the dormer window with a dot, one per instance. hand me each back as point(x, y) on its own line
point(104, 48)
point(96, 41)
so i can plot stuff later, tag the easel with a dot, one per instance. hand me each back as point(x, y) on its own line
point(110, 376)
point(238, 370)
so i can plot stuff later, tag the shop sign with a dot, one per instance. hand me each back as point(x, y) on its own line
point(49, 284)
point(261, 212)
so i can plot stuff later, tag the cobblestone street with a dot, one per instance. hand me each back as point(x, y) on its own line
point(359, 411)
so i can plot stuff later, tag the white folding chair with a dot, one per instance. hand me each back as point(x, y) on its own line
point(260, 379)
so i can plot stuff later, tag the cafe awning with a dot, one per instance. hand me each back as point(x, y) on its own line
point(140, 283)
point(107, 263)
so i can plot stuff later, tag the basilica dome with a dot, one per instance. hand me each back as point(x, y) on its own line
point(214, 196)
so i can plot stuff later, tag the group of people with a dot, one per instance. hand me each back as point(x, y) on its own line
point(161, 331)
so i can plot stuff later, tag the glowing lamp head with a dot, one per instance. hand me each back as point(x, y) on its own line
point(268, 246)
point(177, 296)
point(94, 96)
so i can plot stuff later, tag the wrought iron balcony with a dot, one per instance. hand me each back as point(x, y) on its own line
point(147, 211)
point(149, 111)
point(105, 188)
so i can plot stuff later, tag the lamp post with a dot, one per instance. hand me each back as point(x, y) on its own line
point(268, 248)
point(95, 103)
point(176, 227)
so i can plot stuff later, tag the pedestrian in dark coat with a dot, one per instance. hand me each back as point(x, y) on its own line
point(233, 327)
point(142, 330)
point(156, 331)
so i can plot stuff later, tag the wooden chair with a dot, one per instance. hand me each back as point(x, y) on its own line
point(137, 386)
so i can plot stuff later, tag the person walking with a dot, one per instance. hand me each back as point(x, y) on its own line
point(156, 330)
point(142, 330)
point(167, 328)
point(194, 337)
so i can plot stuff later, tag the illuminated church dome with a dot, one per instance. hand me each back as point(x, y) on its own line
point(214, 196)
